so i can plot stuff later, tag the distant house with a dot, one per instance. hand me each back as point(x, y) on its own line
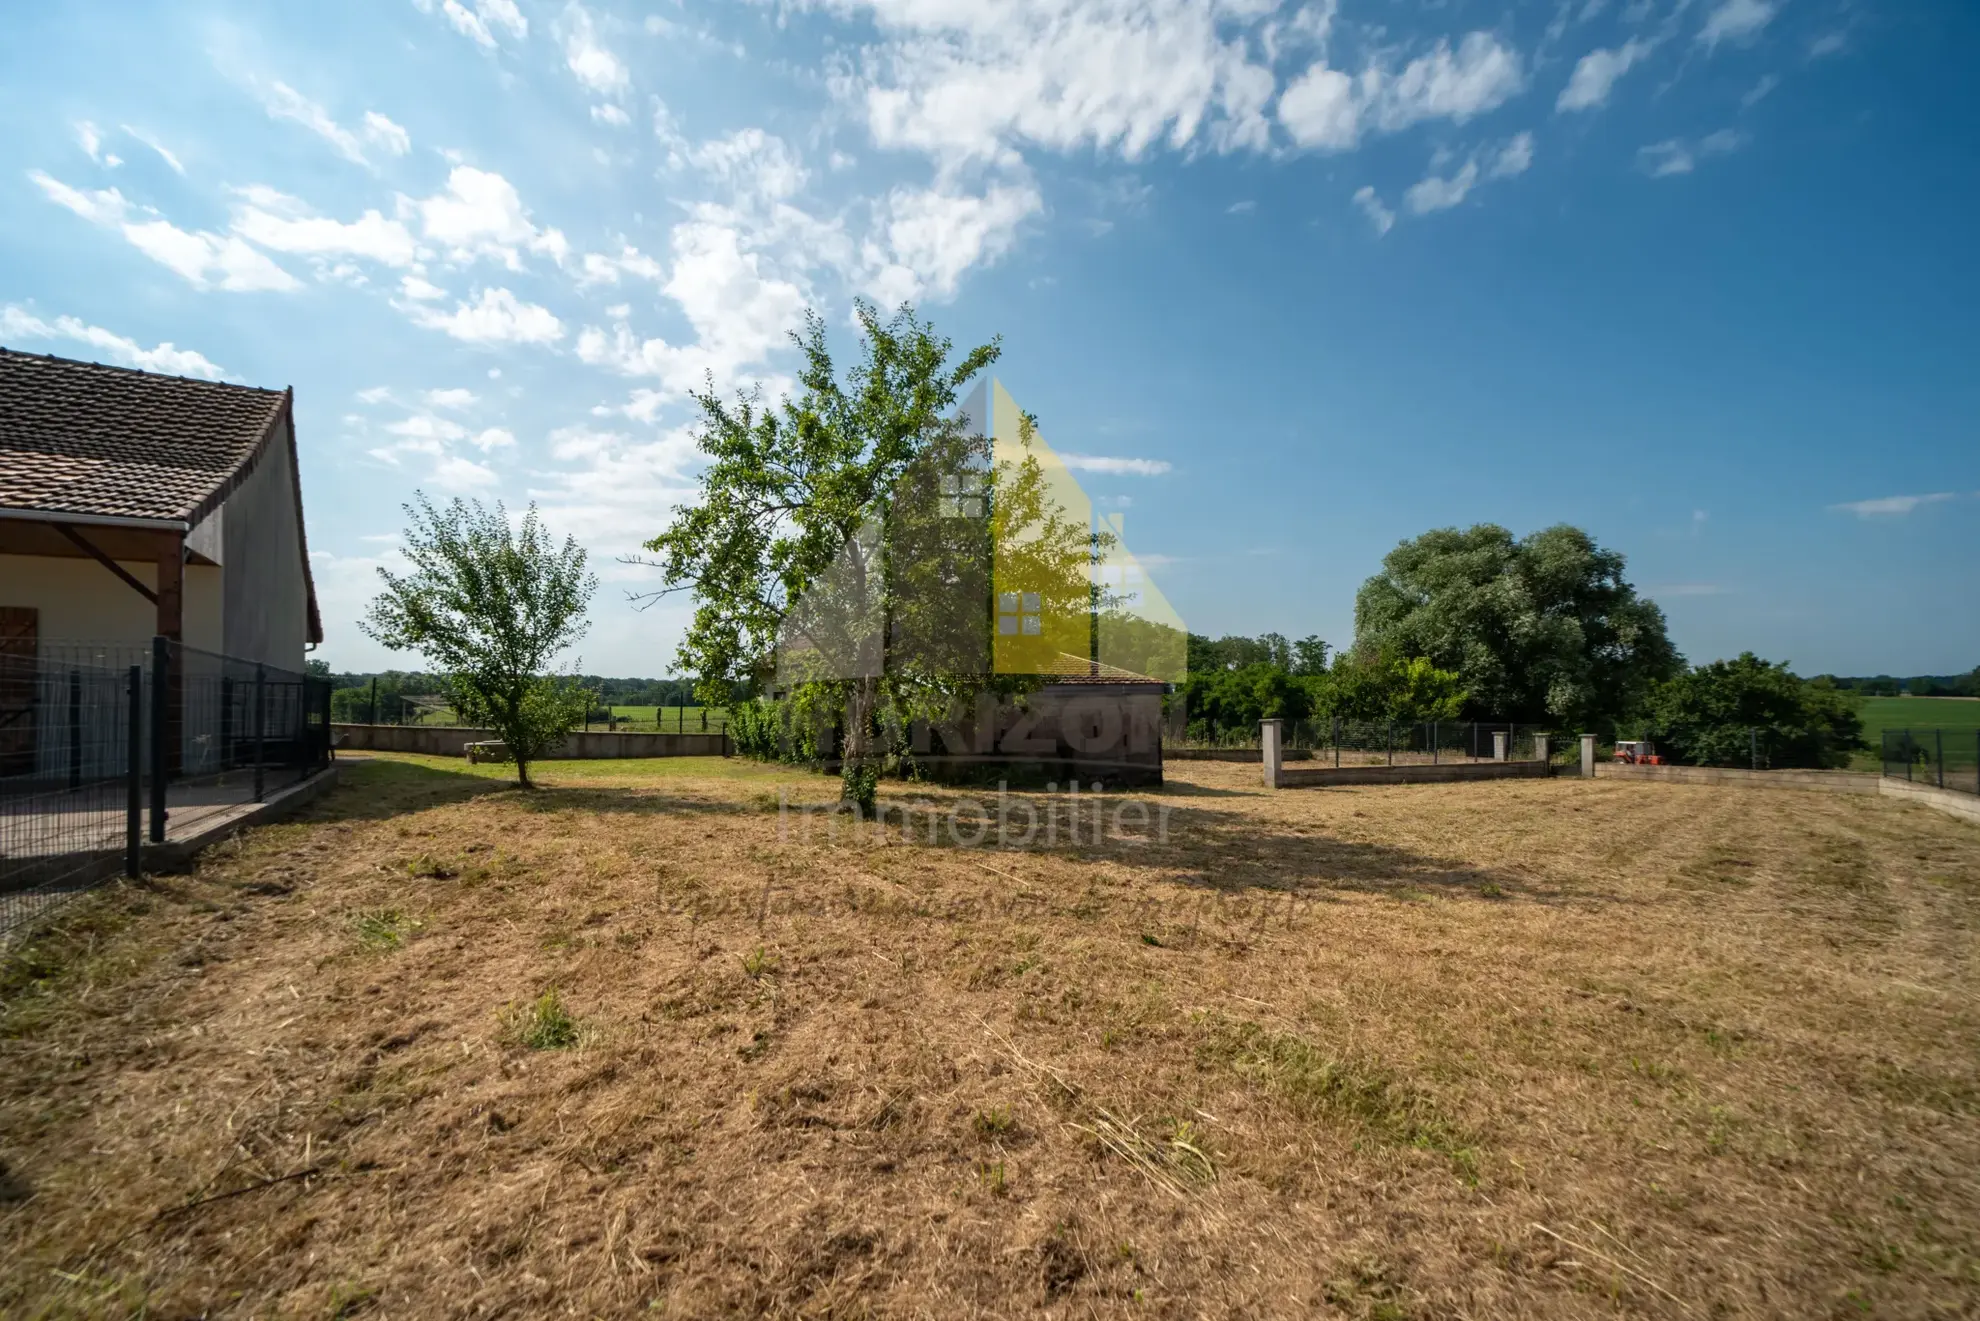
point(134, 505)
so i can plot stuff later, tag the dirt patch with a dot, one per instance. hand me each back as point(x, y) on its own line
point(1534, 1048)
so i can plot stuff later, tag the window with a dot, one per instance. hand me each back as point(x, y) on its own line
point(1018, 613)
point(962, 495)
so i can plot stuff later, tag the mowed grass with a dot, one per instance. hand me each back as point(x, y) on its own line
point(1951, 714)
point(636, 1044)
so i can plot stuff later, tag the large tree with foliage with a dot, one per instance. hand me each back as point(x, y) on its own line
point(1729, 712)
point(491, 604)
point(1543, 626)
point(827, 526)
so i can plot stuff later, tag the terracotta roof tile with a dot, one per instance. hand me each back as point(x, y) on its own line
point(80, 438)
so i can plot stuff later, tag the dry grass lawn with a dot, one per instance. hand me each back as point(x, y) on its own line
point(1537, 1049)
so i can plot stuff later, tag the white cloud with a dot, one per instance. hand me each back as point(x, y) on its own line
point(480, 214)
point(454, 398)
point(1433, 193)
point(454, 473)
point(90, 141)
point(597, 268)
point(925, 239)
point(497, 317)
point(590, 60)
point(739, 310)
point(375, 394)
point(164, 153)
point(18, 324)
point(1329, 110)
point(1596, 75)
point(493, 438)
point(1759, 91)
point(205, 260)
point(1371, 206)
point(284, 102)
point(1893, 506)
point(420, 289)
point(385, 134)
point(616, 116)
point(966, 81)
point(478, 24)
point(1115, 466)
point(1245, 207)
point(284, 224)
point(1676, 156)
point(1736, 20)
point(104, 206)
point(1827, 44)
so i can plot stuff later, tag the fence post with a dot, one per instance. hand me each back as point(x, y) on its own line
point(1337, 742)
point(75, 729)
point(374, 699)
point(134, 772)
point(1500, 737)
point(1433, 743)
point(1907, 755)
point(1587, 756)
point(260, 723)
point(1541, 750)
point(1271, 749)
point(1753, 747)
point(160, 734)
point(226, 722)
point(1939, 754)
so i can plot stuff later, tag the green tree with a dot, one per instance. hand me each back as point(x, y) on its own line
point(1309, 656)
point(1234, 701)
point(1374, 687)
point(491, 605)
point(1716, 714)
point(828, 526)
point(1544, 625)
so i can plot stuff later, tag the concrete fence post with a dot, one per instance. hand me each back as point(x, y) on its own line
point(1272, 747)
point(1541, 750)
point(1587, 756)
point(1498, 745)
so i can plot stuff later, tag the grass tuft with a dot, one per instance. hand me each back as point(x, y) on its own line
point(542, 1024)
point(381, 930)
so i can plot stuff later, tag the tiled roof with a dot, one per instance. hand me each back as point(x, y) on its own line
point(1067, 668)
point(79, 438)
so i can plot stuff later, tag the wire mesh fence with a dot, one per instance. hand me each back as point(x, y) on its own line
point(105, 748)
point(1945, 758)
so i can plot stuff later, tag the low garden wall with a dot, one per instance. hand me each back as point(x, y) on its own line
point(1964, 806)
point(1424, 773)
point(449, 740)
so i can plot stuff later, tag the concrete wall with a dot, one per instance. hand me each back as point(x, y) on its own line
point(1964, 806)
point(78, 600)
point(260, 545)
point(448, 741)
point(1449, 773)
point(1840, 782)
point(1247, 756)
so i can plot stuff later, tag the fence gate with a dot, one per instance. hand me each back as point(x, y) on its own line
point(19, 626)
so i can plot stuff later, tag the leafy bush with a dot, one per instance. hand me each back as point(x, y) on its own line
point(1714, 714)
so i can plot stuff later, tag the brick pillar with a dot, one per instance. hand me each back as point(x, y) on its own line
point(1587, 756)
point(1541, 748)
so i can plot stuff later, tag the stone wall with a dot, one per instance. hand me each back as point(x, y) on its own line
point(1964, 806)
point(1425, 773)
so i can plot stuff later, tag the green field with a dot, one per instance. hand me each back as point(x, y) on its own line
point(671, 717)
point(1947, 713)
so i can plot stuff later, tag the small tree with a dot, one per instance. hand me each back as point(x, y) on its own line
point(491, 605)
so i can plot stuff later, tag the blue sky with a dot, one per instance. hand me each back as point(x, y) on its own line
point(1298, 279)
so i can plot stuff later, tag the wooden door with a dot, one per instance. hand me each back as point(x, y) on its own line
point(19, 631)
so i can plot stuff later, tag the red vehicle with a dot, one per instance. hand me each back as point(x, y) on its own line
point(1637, 752)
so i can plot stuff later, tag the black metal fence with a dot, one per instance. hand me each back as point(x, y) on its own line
point(1399, 743)
point(104, 749)
point(1946, 758)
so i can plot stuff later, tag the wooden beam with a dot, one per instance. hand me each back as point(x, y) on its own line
point(90, 548)
point(171, 598)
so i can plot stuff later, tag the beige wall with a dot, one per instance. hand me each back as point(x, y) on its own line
point(79, 600)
